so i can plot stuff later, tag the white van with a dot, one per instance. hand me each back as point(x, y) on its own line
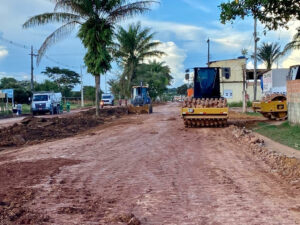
point(107, 99)
point(43, 102)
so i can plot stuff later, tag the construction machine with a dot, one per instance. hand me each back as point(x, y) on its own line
point(140, 100)
point(206, 108)
point(274, 105)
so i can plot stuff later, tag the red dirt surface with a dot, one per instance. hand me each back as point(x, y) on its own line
point(33, 130)
point(150, 170)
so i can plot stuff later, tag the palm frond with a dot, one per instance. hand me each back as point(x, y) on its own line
point(121, 12)
point(50, 17)
point(294, 44)
point(53, 38)
point(154, 53)
point(71, 6)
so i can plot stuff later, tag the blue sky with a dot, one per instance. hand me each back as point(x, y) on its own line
point(183, 26)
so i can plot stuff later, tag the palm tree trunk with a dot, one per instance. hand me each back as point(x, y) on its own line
point(97, 82)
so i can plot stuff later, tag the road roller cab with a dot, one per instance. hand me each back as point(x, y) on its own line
point(206, 107)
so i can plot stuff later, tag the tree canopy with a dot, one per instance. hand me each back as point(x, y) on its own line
point(133, 46)
point(63, 77)
point(96, 20)
point(182, 90)
point(269, 53)
point(272, 13)
point(156, 74)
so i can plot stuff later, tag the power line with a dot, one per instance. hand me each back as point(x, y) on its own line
point(15, 43)
point(23, 46)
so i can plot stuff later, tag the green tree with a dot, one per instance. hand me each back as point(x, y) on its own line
point(182, 90)
point(89, 93)
point(47, 85)
point(244, 52)
point(96, 20)
point(115, 88)
point(156, 75)
point(133, 46)
point(272, 13)
point(9, 83)
point(64, 78)
point(269, 53)
point(22, 91)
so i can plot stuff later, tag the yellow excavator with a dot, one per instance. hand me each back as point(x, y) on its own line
point(206, 108)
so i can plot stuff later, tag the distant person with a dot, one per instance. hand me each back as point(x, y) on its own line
point(19, 109)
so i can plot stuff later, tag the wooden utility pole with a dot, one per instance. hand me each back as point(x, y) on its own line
point(32, 68)
point(244, 90)
point(255, 58)
point(82, 100)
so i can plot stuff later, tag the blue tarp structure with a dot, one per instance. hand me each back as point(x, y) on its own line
point(9, 93)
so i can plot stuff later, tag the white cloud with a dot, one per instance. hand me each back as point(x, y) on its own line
point(174, 58)
point(250, 65)
point(3, 52)
point(292, 59)
point(197, 5)
point(194, 37)
point(18, 75)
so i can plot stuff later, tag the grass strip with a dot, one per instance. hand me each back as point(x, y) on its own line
point(285, 133)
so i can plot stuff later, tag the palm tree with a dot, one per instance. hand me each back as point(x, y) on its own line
point(156, 74)
point(269, 53)
point(244, 52)
point(133, 46)
point(96, 20)
point(294, 44)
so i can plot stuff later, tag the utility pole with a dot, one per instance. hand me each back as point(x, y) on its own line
point(105, 85)
point(256, 39)
point(32, 68)
point(208, 52)
point(244, 90)
point(82, 100)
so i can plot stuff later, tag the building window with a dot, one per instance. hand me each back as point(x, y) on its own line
point(228, 94)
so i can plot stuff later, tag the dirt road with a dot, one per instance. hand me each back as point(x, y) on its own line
point(147, 165)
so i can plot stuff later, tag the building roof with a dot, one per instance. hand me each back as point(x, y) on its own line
point(226, 60)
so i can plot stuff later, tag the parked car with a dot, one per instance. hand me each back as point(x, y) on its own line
point(107, 99)
point(44, 102)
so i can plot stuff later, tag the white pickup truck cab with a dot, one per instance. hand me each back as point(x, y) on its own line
point(43, 102)
point(107, 99)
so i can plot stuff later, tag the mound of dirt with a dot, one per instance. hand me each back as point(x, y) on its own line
point(287, 167)
point(34, 130)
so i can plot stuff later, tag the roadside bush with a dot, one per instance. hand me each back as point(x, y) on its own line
point(239, 104)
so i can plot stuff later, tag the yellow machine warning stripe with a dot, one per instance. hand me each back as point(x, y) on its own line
point(210, 116)
point(274, 106)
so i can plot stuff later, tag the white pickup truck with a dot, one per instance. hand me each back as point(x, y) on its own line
point(107, 99)
point(43, 102)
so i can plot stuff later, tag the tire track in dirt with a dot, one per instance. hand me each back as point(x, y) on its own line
point(151, 166)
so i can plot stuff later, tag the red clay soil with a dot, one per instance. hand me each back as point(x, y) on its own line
point(33, 130)
point(149, 170)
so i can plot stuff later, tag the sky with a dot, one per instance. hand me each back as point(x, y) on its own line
point(182, 27)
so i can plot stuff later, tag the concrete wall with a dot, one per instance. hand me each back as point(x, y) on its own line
point(232, 88)
point(293, 98)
